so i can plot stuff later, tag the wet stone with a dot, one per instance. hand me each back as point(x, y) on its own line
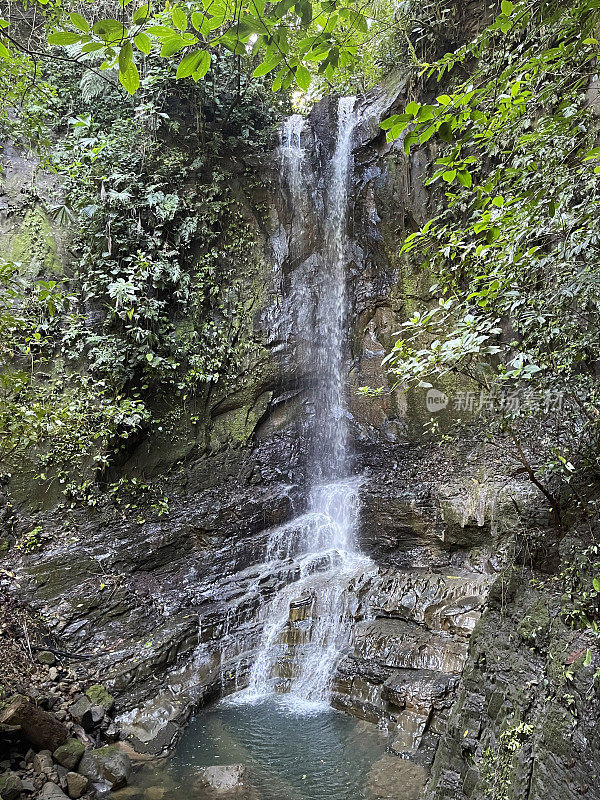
point(42, 762)
point(81, 711)
point(224, 778)
point(108, 765)
point(50, 791)
point(10, 786)
point(76, 784)
point(69, 754)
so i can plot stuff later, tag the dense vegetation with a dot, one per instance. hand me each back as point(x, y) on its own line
point(511, 251)
point(153, 303)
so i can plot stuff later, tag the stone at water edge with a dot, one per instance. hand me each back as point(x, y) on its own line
point(10, 786)
point(69, 754)
point(224, 778)
point(391, 776)
point(76, 785)
point(39, 728)
point(154, 793)
point(109, 765)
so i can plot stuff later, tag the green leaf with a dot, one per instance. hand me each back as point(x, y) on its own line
point(411, 138)
point(180, 18)
point(141, 14)
point(449, 175)
point(109, 29)
point(4, 52)
point(125, 56)
point(445, 132)
point(63, 38)
point(130, 78)
point(465, 178)
point(266, 66)
point(188, 64)
point(203, 66)
point(173, 45)
point(427, 134)
point(596, 584)
point(303, 77)
point(92, 47)
point(79, 22)
point(276, 86)
point(507, 7)
point(200, 23)
point(161, 32)
point(143, 43)
point(395, 119)
point(413, 108)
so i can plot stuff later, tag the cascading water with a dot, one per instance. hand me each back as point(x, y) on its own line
point(307, 623)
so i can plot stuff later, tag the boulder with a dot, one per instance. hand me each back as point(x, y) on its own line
point(10, 786)
point(100, 696)
point(224, 778)
point(76, 785)
point(81, 711)
point(69, 754)
point(107, 764)
point(395, 777)
point(50, 791)
point(38, 727)
point(42, 762)
point(154, 793)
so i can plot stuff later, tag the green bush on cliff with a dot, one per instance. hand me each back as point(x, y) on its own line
point(153, 305)
point(514, 247)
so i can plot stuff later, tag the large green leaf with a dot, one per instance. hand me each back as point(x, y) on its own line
point(303, 77)
point(110, 30)
point(63, 38)
point(79, 22)
point(267, 66)
point(125, 56)
point(141, 14)
point(180, 18)
point(143, 43)
point(130, 78)
point(188, 64)
point(203, 66)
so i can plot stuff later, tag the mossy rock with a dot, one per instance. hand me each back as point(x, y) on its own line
point(34, 246)
point(69, 754)
point(535, 623)
point(100, 696)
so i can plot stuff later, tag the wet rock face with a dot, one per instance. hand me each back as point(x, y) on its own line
point(523, 724)
point(408, 652)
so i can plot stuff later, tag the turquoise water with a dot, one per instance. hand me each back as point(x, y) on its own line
point(289, 752)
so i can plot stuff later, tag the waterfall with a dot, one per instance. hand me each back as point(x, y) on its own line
point(307, 624)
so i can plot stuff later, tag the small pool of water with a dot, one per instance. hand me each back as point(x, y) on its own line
point(289, 753)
